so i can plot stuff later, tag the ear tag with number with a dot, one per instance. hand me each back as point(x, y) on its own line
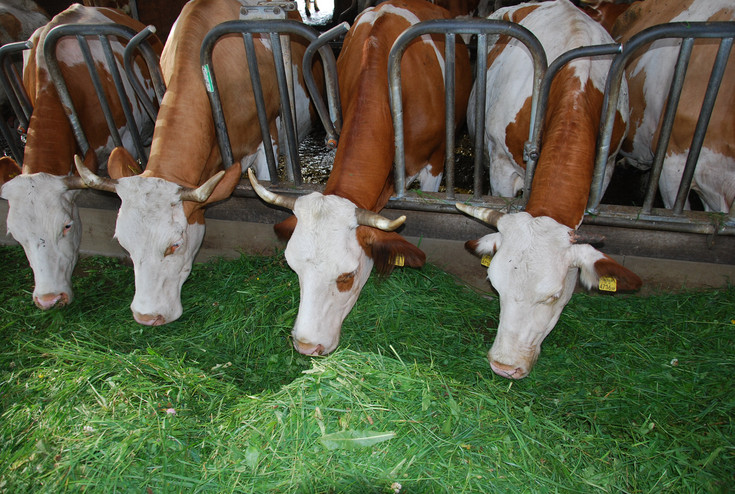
point(399, 260)
point(608, 284)
point(485, 261)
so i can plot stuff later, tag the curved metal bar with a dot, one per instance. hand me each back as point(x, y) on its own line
point(481, 27)
point(139, 44)
point(80, 31)
point(247, 29)
point(12, 84)
point(333, 129)
point(612, 87)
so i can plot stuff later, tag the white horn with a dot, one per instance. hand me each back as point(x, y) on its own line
point(487, 215)
point(91, 179)
point(201, 193)
point(369, 218)
point(268, 196)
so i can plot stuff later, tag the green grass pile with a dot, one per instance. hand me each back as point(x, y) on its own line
point(630, 394)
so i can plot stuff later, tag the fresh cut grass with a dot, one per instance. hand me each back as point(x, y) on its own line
point(630, 394)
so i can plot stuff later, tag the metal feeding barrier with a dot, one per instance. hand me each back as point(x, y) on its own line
point(645, 217)
point(12, 83)
point(103, 33)
point(278, 32)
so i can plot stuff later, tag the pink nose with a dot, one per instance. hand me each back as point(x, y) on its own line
point(508, 371)
point(49, 300)
point(148, 319)
point(308, 349)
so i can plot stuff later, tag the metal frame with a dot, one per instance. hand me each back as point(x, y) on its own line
point(12, 83)
point(274, 29)
point(102, 31)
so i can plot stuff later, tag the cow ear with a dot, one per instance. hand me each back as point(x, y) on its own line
point(389, 249)
point(224, 187)
point(121, 164)
point(489, 244)
point(599, 270)
point(8, 169)
point(285, 228)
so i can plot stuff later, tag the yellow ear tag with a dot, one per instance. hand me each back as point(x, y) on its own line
point(485, 261)
point(608, 284)
point(399, 260)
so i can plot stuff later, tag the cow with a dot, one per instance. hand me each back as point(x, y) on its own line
point(43, 216)
point(649, 75)
point(335, 238)
point(161, 218)
point(537, 255)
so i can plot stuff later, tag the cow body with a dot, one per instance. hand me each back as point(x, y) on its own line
point(42, 215)
point(158, 224)
point(536, 254)
point(650, 74)
point(332, 252)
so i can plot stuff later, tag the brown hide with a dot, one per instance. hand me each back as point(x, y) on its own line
point(50, 144)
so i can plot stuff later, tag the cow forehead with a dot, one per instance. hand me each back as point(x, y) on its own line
point(37, 189)
point(150, 205)
point(533, 252)
point(325, 233)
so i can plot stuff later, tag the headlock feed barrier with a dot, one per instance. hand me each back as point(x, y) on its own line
point(12, 83)
point(645, 217)
point(279, 31)
point(135, 44)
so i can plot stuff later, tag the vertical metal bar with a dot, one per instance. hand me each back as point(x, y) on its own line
point(667, 122)
point(480, 92)
point(396, 98)
point(449, 104)
point(139, 45)
point(701, 128)
point(124, 102)
point(218, 115)
point(287, 116)
point(260, 105)
point(12, 81)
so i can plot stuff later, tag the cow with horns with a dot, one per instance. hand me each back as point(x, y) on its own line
point(161, 218)
point(42, 215)
point(537, 255)
point(651, 72)
point(335, 238)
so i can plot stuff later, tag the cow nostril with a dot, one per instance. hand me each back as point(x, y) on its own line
point(319, 350)
point(507, 371)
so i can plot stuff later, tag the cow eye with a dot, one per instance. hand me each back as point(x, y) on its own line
point(67, 228)
point(345, 281)
point(172, 248)
point(551, 299)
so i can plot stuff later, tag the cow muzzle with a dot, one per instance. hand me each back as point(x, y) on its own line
point(308, 348)
point(149, 319)
point(51, 300)
point(507, 371)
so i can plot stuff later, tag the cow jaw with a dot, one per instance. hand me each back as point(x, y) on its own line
point(332, 268)
point(154, 229)
point(44, 219)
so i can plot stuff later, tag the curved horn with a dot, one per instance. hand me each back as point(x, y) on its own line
point(74, 182)
point(91, 179)
point(576, 237)
point(268, 196)
point(369, 218)
point(487, 215)
point(201, 193)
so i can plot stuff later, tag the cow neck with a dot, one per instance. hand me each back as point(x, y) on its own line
point(563, 175)
point(50, 143)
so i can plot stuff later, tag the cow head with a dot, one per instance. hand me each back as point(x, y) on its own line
point(534, 268)
point(157, 224)
point(332, 249)
point(43, 218)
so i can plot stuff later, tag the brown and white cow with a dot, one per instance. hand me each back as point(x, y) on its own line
point(334, 240)
point(42, 215)
point(161, 219)
point(536, 257)
point(649, 76)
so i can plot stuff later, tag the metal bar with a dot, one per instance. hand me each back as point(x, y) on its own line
point(288, 123)
point(667, 123)
point(700, 130)
point(138, 44)
point(12, 81)
point(480, 94)
point(331, 118)
point(449, 115)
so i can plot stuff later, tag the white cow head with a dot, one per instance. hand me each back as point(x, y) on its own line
point(333, 249)
point(43, 218)
point(157, 225)
point(534, 268)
